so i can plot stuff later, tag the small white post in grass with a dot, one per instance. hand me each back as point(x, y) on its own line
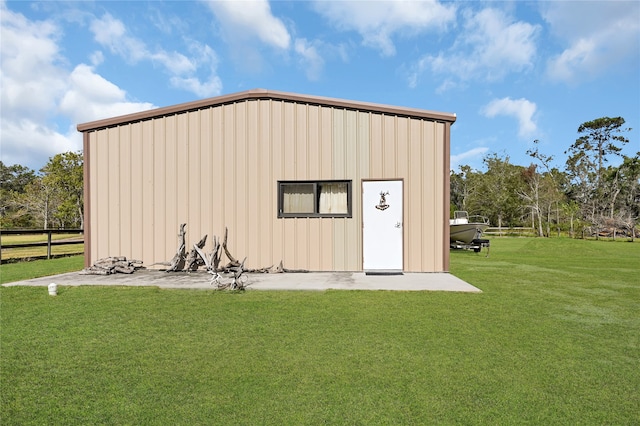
point(53, 289)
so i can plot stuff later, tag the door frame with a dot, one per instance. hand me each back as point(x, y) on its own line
point(362, 207)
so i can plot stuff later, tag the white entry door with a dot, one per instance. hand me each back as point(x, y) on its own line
point(382, 229)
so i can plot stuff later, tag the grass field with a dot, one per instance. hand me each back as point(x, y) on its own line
point(17, 271)
point(553, 339)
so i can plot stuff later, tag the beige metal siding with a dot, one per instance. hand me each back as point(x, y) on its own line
point(219, 166)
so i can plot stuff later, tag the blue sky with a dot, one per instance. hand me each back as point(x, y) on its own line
point(513, 72)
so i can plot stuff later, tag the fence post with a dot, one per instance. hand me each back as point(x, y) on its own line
point(48, 245)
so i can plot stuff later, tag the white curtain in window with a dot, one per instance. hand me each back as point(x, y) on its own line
point(333, 198)
point(297, 198)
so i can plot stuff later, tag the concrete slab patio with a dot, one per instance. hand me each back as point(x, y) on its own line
point(318, 281)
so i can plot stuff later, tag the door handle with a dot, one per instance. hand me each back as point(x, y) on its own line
point(398, 225)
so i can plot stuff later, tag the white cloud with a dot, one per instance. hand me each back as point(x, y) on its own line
point(599, 36)
point(30, 144)
point(111, 33)
point(378, 22)
point(30, 59)
point(247, 27)
point(203, 89)
point(92, 97)
point(96, 58)
point(41, 100)
point(521, 109)
point(201, 54)
point(310, 59)
point(447, 85)
point(176, 63)
point(490, 46)
point(473, 154)
point(242, 20)
point(32, 80)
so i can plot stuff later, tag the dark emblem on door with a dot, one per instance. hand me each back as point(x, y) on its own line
point(382, 205)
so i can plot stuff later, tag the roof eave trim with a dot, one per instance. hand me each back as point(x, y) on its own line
point(264, 94)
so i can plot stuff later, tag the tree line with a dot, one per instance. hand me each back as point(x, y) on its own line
point(52, 198)
point(588, 196)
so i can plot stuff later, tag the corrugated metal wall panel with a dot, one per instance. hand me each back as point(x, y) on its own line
point(251, 203)
point(440, 178)
point(217, 160)
point(301, 146)
point(289, 172)
point(170, 214)
point(137, 190)
point(425, 206)
point(401, 166)
point(227, 183)
point(206, 196)
point(365, 151)
point(312, 136)
point(196, 185)
point(401, 155)
point(124, 189)
point(431, 193)
point(414, 189)
point(338, 172)
point(325, 158)
point(389, 146)
point(113, 186)
point(238, 234)
point(276, 172)
point(376, 159)
point(314, 165)
point(326, 143)
point(91, 174)
point(151, 242)
point(97, 140)
point(163, 238)
point(351, 241)
point(188, 190)
point(180, 137)
point(266, 187)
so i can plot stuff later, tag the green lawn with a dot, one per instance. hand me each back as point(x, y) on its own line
point(18, 271)
point(553, 339)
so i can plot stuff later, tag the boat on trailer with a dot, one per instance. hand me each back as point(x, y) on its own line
point(465, 232)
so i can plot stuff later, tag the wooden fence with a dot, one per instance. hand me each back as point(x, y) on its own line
point(519, 231)
point(48, 244)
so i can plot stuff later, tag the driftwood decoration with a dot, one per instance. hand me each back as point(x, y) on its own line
point(112, 265)
point(206, 260)
point(234, 270)
point(233, 263)
point(239, 281)
point(178, 261)
point(215, 254)
point(236, 282)
point(193, 259)
point(275, 270)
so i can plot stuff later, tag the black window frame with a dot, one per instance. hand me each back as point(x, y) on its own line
point(316, 197)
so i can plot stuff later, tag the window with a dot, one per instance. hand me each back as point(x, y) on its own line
point(331, 198)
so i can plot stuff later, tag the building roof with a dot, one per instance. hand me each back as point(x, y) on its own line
point(266, 94)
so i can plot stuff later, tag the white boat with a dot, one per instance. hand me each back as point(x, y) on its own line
point(464, 229)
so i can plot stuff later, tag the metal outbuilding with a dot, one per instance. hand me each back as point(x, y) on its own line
point(318, 183)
